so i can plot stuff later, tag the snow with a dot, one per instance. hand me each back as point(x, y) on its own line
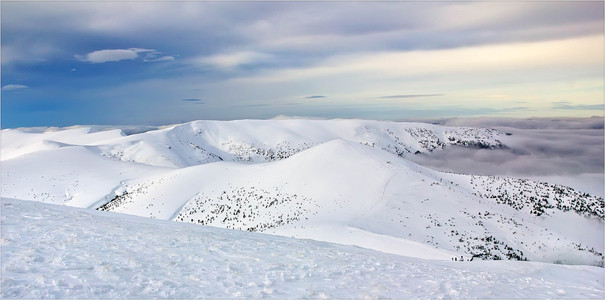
point(252, 141)
point(592, 183)
point(349, 215)
point(71, 175)
point(51, 251)
point(18, 142)
point(319, 194)
point(341, 181)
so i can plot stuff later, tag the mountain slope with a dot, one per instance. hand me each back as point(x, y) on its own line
point(344, 181)
point(202, 142)
point(62, 252)
point(346, 192)
point(70, 175)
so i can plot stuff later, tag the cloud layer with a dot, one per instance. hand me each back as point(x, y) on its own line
point(570, 106)
point(134, 58)
point(410, 96)
point(537, 147)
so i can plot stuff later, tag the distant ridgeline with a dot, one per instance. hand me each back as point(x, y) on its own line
point(251, 141)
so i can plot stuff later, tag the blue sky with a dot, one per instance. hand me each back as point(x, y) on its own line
point(66, 63)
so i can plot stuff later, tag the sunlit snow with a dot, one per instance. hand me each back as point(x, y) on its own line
point(62, 252)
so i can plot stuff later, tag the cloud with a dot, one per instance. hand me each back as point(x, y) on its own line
point(21, 52)
point(163, 58)
point(196, 100)
point(529, 152)
point(568, 105)
point(536, 147)
point(233, 60)
point(334, 28)
point(292, 117)
point(410, 96)
point(14, 87)
point(421, 26)
point(529, 123)
point(476, 60)
point(102, 56)
point(498, 96)
point(254, 105)
point(110, 55)
point(533, 50)
point(315, 97)
point(514, 108)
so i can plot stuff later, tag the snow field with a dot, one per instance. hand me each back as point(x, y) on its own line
point(61, 252)
point(74, 176)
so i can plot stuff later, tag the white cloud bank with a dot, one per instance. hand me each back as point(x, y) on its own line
point(109, 55)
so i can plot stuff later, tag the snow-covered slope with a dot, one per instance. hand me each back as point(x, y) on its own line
point(346, 192)
point(343, 181)
point(51, 251)
point(71, 175)
point(201, 142)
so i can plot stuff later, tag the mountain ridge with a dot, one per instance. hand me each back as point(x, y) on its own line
point(351, 176)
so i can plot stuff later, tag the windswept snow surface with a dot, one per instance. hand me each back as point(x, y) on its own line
point(51, 251)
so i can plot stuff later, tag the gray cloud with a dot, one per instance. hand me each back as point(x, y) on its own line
point(562, 102)
point(291, 36)
point(314, 97)
point(515, 108)
point(268, 27)
point(569, 106)
point(529, 123)
point(153, 57)
point(197, 100)
point(566, 147)
point(254, 105)
point(411, 96)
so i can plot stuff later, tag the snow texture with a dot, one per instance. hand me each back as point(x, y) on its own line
point(51, 251)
